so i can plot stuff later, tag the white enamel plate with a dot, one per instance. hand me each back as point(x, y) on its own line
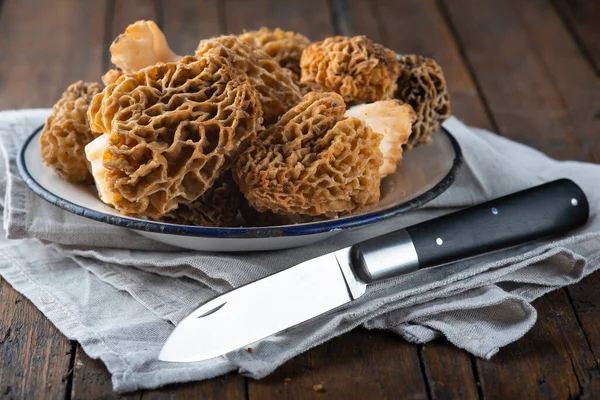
point(426, 172)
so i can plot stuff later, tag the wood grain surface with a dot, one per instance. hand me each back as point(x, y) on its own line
point(528, 70)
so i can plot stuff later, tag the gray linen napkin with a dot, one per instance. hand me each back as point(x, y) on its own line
point(120, 294)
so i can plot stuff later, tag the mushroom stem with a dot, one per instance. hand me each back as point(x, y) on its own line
point(393, 120)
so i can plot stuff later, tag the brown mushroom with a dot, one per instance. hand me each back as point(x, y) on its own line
point(358, 69)
point(218, 206)
point(285, 47)
point(277, 90)
point(313, 161)
point(422, 85)
point(170, 130)
point(67, 132)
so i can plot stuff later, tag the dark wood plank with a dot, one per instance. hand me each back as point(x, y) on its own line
point(309, 17)
point(424, 31)
point(185, 23)
point(34, 355)
point(574, 81)
point(91, 380)
point(127, 12)
point(539, 89)
point(357, 365)
point(357, 17)
point(230, 387)
point(449, 371)
point(45, 48)
point(582, 16)
point(590, 391)
point(549, 362)
point(585, 300)
point(561, 317)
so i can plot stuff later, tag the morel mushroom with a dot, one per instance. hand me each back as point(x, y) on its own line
point(422, 85)
point(275, 85)
point(67, 132)
point(169, 131)
point(285, 47)
point(358, 69)
point(218, 206)
point(313, 161)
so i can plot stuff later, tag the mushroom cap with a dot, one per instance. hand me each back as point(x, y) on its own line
point(172, 129)
point(67, 132)
point(275, 85)
point(422, 85)
point(285, 47)
point(313, 161)
point(355, 67)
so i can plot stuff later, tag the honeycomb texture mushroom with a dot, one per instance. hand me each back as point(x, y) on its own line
point(307, 87)
point(169, 131)
point(275, 85)
point(355, 67)
point(285, 47)
point(422, 85)
point(67, 132)
point(219, 206)
point(313, 161)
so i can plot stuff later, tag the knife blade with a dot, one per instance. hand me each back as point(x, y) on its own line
point(283, 300)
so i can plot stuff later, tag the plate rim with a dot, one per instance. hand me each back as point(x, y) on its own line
point(242, 232)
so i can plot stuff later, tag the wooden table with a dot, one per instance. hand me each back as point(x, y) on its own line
point(526, 69)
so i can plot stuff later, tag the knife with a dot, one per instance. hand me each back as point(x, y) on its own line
point(265, 307)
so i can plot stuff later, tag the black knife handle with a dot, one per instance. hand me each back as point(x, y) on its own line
point(546, 210)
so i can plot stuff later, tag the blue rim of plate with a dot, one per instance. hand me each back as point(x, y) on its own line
point(242, 232)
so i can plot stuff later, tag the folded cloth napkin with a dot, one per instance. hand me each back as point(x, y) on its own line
point(120, 294)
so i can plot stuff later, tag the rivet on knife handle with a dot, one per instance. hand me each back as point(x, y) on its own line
point(546, 210)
